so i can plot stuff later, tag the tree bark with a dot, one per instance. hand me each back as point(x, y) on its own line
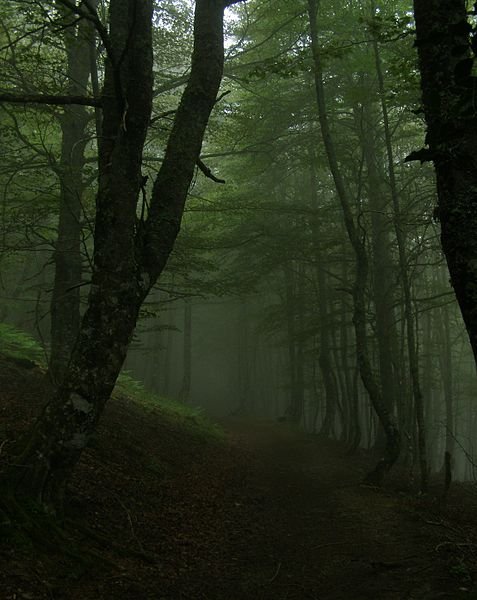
point(128, 256)
point(445, 40)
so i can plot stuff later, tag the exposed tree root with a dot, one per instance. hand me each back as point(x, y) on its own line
point(27, 524)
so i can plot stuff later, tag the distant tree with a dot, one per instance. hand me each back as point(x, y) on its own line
point(354, 231)
point(79, 41)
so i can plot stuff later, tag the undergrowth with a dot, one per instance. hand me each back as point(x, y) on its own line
point(22, 347)
point(190, 417)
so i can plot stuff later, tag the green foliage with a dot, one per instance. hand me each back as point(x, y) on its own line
point(19, 344)
point(191, 418)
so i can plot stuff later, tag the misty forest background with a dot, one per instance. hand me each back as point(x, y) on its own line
point(255, 313)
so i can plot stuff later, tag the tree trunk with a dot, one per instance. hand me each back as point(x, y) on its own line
point(444, 38)
point(243, 359)
point(294, 410)
point(324, 357)
point(184, 394)
point(382, 275)
point(445, 361)
point(406, 283)
point(128, 256)
point(392, 449)
point(65, 301)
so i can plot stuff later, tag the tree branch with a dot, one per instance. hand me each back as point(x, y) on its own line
point(208, 173)
point(91, 15)
point(47, 99)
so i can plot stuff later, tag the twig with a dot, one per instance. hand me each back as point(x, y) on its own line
point(208, 173)
point(49, 99)
point(131, 525)
point(438, 523)
point(276, 573)
point(219, 98)
point(2, 445)
point(330, 544)
point(456, 544)
point(466, 453)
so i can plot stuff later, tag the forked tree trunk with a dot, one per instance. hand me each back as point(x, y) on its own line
point(128, 256)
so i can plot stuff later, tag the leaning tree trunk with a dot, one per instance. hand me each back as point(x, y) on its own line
point(382, 262)
point(445, 42)
point(386, 418)
point(128, 256)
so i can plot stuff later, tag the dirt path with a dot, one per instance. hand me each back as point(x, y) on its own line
point(320, 534)
point(274, 515)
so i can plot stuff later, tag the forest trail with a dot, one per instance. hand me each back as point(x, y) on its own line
point(268, 513)
point(324, 536)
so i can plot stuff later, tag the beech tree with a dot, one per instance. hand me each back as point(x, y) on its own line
point(129, 253)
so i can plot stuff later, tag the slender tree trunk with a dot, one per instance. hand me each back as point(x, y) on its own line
point(406, 283)
point(294, 410)
point(300, 353)
point(324, 357)
point(382, 263)
point(243, 358)
point(65, 301)
point(391, 452)
point(184, 394)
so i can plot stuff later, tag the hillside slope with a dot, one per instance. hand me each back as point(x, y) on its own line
point(164, 508)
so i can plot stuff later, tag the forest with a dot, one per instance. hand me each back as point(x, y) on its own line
point(238, 299)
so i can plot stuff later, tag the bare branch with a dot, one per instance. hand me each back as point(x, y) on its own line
point(208, 173)
point(49, 99)
point(91, 15)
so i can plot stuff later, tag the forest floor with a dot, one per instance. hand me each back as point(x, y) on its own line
point(159, 511)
